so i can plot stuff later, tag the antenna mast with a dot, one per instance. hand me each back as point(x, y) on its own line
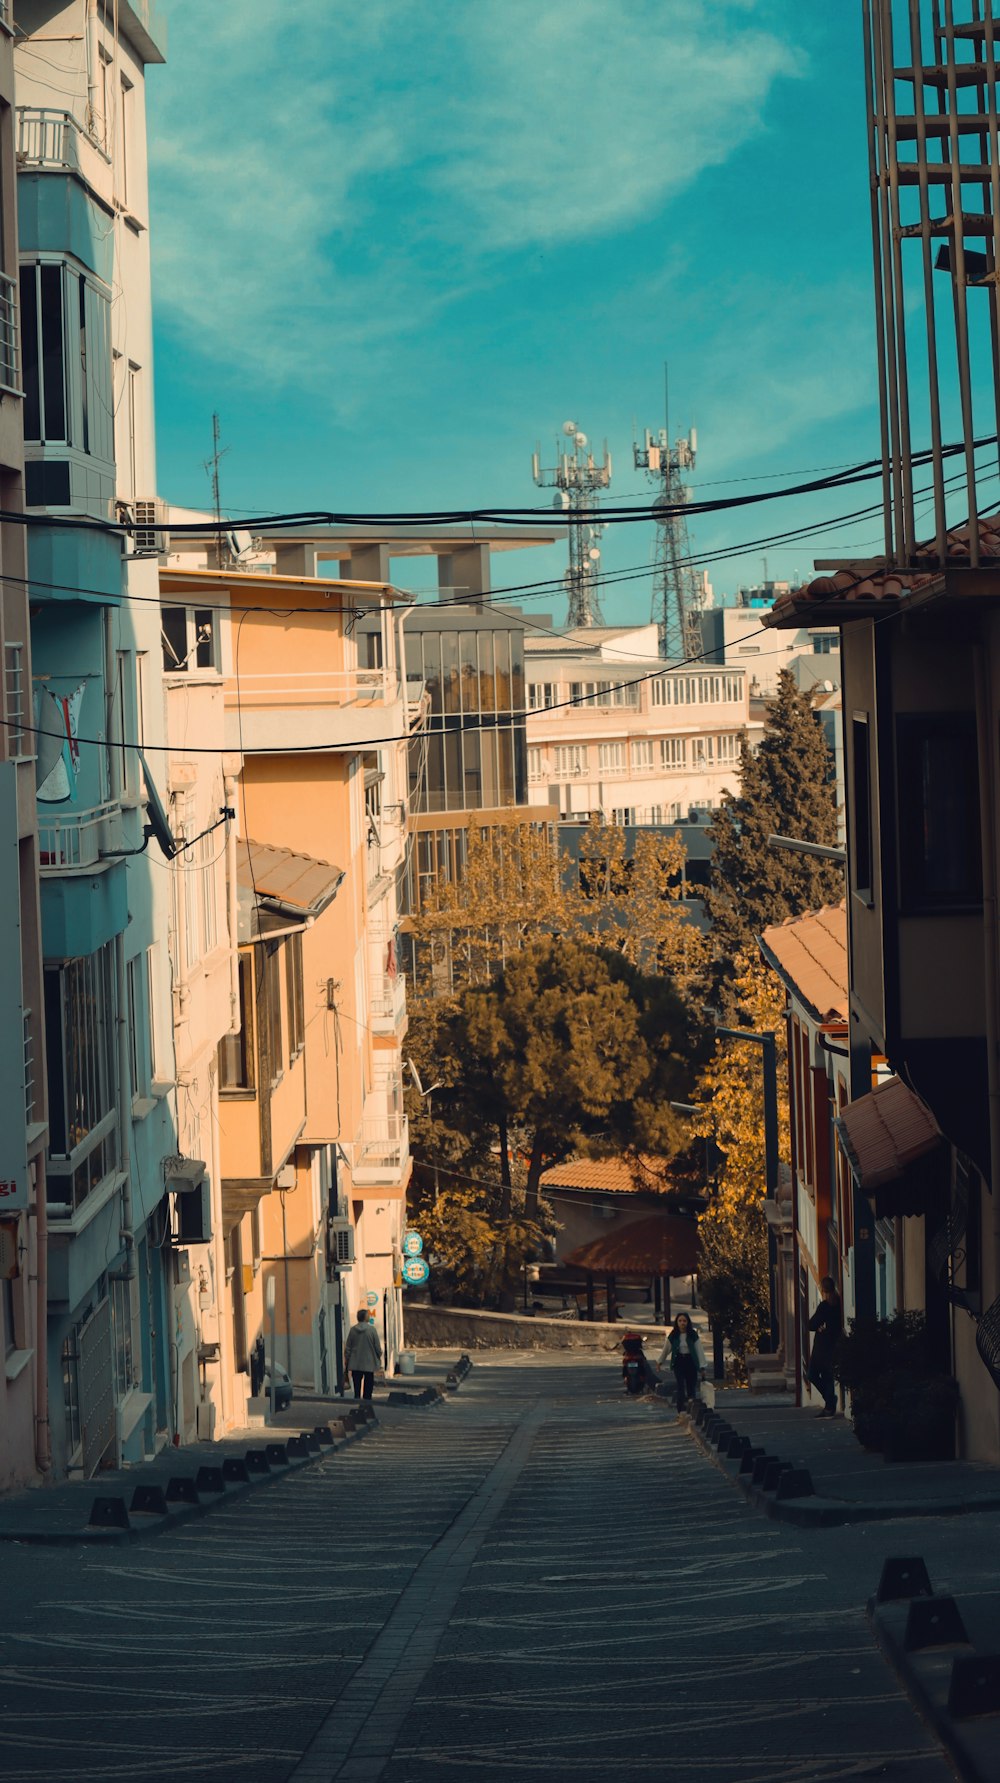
point(577, 479)
point(212, 467)
point(677, 591)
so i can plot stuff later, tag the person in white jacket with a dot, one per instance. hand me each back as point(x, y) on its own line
point(363, 1354)
point(686, 1357)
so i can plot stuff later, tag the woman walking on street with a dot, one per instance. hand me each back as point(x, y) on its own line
point(826, 1324)
point(686, 1357)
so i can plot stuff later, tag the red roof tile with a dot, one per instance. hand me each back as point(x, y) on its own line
point(810, 954)
point(886, 1132)
point(662, 1244)
point(868, 582)
point(616, 1176)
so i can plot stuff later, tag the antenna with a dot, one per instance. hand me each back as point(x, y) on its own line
point(212, 468)
point(577, 478)
point(678, 594)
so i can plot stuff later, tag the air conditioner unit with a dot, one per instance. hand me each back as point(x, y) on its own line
point(340, 1244)
point(148, 534)
point(194, 1215)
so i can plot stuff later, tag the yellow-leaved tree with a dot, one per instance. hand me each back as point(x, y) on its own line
point(733, 1274)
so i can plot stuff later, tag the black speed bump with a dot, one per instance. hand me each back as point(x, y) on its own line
point(933, 1622)
point(903, 1577)
point(108, 1513)
point(975, 1686)
point(152, 1500)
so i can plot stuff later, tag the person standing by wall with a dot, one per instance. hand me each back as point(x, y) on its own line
point(826, 1324)
point(686, 1357)
point(363, 1354)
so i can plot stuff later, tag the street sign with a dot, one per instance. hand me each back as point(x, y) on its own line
point(371, 1297)
point(415, 1270)
point(413, 1244)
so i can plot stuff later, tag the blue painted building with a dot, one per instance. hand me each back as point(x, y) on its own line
point(89, 477)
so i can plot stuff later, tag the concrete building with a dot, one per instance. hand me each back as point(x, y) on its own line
point(608, 733)
point(88, 421)
point(299, 1061)
point(24, 1434)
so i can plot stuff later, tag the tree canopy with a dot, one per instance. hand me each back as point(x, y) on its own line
point(785, 788)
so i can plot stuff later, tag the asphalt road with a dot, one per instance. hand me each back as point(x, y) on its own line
point(538, 1579)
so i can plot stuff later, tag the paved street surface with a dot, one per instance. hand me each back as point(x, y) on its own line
point(538, 1579)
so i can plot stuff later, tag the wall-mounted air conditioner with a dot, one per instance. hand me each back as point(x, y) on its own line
point(149, 522)
point(340, 1243)
point(186, 1180)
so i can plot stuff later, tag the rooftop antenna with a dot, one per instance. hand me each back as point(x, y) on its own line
point(212, 468)
point(576, 477)
point(678, 594)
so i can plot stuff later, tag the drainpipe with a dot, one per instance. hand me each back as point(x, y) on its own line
point(93, 58)
point(234, 954)
point(985, 732)
point(43, 1443)
point(125, 1091)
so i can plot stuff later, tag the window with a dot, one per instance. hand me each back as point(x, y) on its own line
point(623, 814)
point(642, 753)
point(125, 139)
point(80, 1017)
point(71, 1392)
point(939, 823)
point(612, 758)
point(604, 693)
point(541, 695)
point(295, 989)
point(534, 764)
point(690, 690)
point(236, 1050)
point(124, 1322)
point(136, 980)
point(861, 813)
point(571, 758)
point(728, 748)
point(673, 752)
point(824, 643)
point(702, 752)
point(271, 1015)
point(189, 636)
point(66, 351)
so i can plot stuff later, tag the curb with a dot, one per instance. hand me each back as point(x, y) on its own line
point(189, 1496)
point(432, 1395)
point(809, 1510)
point(936, 1671)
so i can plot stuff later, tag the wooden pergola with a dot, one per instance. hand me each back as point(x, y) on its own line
point(658, 1247)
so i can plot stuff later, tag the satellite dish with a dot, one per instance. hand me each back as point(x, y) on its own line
point(569, 428)
point(580, 440)
point(593, 554)
point(560, 499)
point(157, 823)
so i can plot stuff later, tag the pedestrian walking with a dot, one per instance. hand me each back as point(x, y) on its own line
point(686, 1357)
point(363, 1354)
point(826, 1325)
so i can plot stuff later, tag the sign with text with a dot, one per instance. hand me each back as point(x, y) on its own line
point(415, 1270)
point(413, 1244)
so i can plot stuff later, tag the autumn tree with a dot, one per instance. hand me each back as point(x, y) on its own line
point(785, 788)
point(636, 902)
point(733, 1273)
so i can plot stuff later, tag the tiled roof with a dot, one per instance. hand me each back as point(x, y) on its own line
point(868, 582)
point(661, 1244)
point(615, 1176)
point(809, 953)
point(885, 1132)
point(274, 882)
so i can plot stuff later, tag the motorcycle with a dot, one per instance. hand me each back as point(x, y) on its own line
point(636, 1371)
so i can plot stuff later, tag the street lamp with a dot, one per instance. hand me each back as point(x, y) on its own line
point(769, 1050)
point(425, 1096)
point(718, 1353)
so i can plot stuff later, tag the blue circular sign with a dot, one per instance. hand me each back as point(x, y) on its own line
point(372, 1297)
point(415, 1270)
point(413, 1244)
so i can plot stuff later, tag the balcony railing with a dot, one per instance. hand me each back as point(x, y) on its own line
point(344, 687)
point(387, 1004)
point(48, 138)
point(10, 357)
point(29, 1071)
point(382, 1149)
point(80, 838)
point(18, 740)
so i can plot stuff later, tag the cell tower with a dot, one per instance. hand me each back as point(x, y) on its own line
point(677, 590)
point(577, 479)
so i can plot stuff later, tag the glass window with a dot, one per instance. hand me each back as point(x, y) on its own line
point(472, 764)
point(673, 752)
point(939, 822)
point(642, 753)
point(487, 682)
point(271, 1017)
point(454, 797)
point(29, 353)
point(295, 987)
point(534, 764)
point(470, 671)
point(80, 1019)
point(501, 647)
point(861, 815)
point(491, 784)
point(432, 668)
point(53, 366)
point(450, 672)
point(505, 761)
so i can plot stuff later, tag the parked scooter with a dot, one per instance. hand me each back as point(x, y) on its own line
point(636, 1372)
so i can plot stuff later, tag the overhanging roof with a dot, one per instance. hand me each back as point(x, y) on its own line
point(854, 590)
point(662, 1244)
point(894, 1147)
point(809, 954)
point(277, 888)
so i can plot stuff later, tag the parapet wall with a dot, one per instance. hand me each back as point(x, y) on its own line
point(459, 1327)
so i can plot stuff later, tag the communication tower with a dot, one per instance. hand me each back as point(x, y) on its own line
point(677, 589)
point(576, 479)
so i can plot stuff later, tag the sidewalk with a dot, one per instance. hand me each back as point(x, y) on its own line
point(850, 1485)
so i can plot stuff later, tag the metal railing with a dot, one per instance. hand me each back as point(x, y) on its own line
point(47, 138)
point(383, 1142)
point(18, 742)
point(341, 687)
point(78, 839)
point(10, 355)
point(29, 1071)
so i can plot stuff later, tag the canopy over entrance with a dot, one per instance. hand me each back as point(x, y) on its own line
point(662, 1244)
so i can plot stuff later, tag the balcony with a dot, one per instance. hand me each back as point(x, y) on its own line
point(382, 1152)
point(79, 841)
point(387, 1006)
point(336, 709)
point(55, 142)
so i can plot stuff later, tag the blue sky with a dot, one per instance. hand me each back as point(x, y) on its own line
point(396, 245)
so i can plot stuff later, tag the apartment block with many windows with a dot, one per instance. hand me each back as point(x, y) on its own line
point(614, 730)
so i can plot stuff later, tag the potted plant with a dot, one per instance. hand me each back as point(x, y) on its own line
point(901, 1404)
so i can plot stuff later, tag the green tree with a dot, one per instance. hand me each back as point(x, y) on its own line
point(574, 1049)
point(785, 788)
point(636, 904)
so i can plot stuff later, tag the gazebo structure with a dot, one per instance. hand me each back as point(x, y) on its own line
point(658, 1247)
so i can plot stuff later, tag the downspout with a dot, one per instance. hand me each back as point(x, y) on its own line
point(231, 890)
point(125, 1108)
point(93, 57)
point(43, 1442)
point(986, 731)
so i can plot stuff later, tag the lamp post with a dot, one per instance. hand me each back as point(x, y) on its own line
point(269, 1305)
point(769, 1050)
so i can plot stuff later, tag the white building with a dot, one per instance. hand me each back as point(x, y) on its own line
point(614, 730)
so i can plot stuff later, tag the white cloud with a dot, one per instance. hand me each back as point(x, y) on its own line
point(326, 175)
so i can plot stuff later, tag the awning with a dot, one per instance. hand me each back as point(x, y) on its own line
point(240, 1196)
point(895, 1148)
point(663, 1244)
point(277, 889)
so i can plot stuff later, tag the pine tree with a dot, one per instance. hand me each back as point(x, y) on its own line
point(786, 789)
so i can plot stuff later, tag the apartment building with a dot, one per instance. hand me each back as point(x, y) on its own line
point(86, 352)
point(737, 636)
point(609, 732)
point(298, 1067)
point(24, 1440)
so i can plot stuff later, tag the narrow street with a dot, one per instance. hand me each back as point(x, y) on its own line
point(537, 1579)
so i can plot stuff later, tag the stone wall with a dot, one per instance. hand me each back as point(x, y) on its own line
point(457, 1327)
